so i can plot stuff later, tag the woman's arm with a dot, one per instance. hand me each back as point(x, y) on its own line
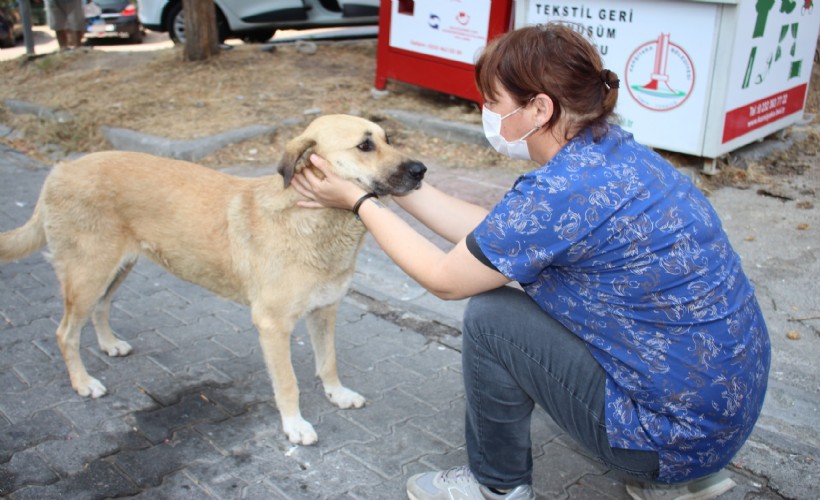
point(456, 274)
point(448, 216)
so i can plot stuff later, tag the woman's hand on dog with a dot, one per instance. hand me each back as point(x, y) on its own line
point(330, 192)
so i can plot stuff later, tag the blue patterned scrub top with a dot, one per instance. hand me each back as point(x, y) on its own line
point(613, 242)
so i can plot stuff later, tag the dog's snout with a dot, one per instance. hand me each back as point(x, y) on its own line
point(416, 170)
point(405, 178)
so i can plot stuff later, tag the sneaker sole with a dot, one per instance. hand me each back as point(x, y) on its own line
point(713, 491)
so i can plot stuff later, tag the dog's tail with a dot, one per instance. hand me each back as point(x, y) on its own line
point(20, 242)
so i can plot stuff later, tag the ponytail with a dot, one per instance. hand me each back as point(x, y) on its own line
point(611, 84)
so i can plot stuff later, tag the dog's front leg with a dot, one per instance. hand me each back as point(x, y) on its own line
point(274, 336)
point(321, 324)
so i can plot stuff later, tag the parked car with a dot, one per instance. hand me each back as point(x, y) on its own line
point(256, 21)
point(11, 25)
point(112, 19)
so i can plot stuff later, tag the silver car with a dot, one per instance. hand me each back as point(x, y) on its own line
point(257, 20)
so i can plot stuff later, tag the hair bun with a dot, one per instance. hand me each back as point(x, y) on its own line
point(608, 80)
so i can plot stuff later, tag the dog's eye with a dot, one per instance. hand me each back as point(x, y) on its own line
point(366, 146)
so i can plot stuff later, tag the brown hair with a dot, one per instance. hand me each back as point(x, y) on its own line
point(555, 60)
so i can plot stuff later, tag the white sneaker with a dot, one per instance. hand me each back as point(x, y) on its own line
point(705, 488)
point(459, 483)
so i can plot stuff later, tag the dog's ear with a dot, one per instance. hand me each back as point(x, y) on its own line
point(296, 153)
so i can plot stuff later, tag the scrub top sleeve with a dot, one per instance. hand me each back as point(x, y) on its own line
point(472, 246)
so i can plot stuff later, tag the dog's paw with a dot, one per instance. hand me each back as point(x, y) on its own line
point(118, 348)
point(299, 431)
point(93, 388)
point(344, 398)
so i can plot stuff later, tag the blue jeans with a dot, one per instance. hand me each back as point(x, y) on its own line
point(514, 356)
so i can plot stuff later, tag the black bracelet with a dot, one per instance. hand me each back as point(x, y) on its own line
point(361, 200)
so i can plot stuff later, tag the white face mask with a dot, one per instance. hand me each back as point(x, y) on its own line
point(517, 150)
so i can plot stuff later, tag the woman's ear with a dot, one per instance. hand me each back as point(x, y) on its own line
point(544, 108)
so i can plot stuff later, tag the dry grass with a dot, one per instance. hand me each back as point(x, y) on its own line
point(157, 93)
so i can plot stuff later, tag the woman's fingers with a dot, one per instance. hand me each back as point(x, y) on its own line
point(309, 177)
point(323, 187)
point(309, 204)
point(302, 185)
point(320, 163)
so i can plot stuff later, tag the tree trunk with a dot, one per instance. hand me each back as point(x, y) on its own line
point(201, 38)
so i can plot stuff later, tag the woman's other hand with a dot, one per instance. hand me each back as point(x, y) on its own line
point(331, 191)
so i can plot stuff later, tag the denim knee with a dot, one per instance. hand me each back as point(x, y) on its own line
point(485, 309)
point(475, 315)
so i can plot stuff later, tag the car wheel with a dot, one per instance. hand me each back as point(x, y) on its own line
point(261, 36)
point(222, 30)
point(6, 36)
point(137, 36)
point(176, 25)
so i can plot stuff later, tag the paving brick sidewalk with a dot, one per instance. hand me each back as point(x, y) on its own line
point(190, 412)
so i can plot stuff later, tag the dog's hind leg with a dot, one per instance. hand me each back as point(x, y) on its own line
point(80, 295)
point(84, 282)
point(68, 339)
point(274, 336)
point(321, 324)
point(110, 344)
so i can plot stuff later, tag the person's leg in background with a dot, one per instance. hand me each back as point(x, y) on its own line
point(62, 39)
point(67, 19)
point(57, 22)
point(75, 18)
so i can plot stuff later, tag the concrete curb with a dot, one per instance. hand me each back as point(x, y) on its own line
point(186, 149)
point(131, 140)
point(20, 159)
point(27, 108)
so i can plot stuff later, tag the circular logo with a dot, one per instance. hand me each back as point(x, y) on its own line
point(660, 75)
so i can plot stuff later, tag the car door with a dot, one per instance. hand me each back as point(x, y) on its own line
point(359, 8)
point(245, 14)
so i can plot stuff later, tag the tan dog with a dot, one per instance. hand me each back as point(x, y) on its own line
point(242, 238)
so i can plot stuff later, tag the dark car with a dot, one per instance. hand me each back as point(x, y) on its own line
point(113, 19)
point(11, 25)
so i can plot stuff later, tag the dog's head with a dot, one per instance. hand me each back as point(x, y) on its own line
point(358, 150)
